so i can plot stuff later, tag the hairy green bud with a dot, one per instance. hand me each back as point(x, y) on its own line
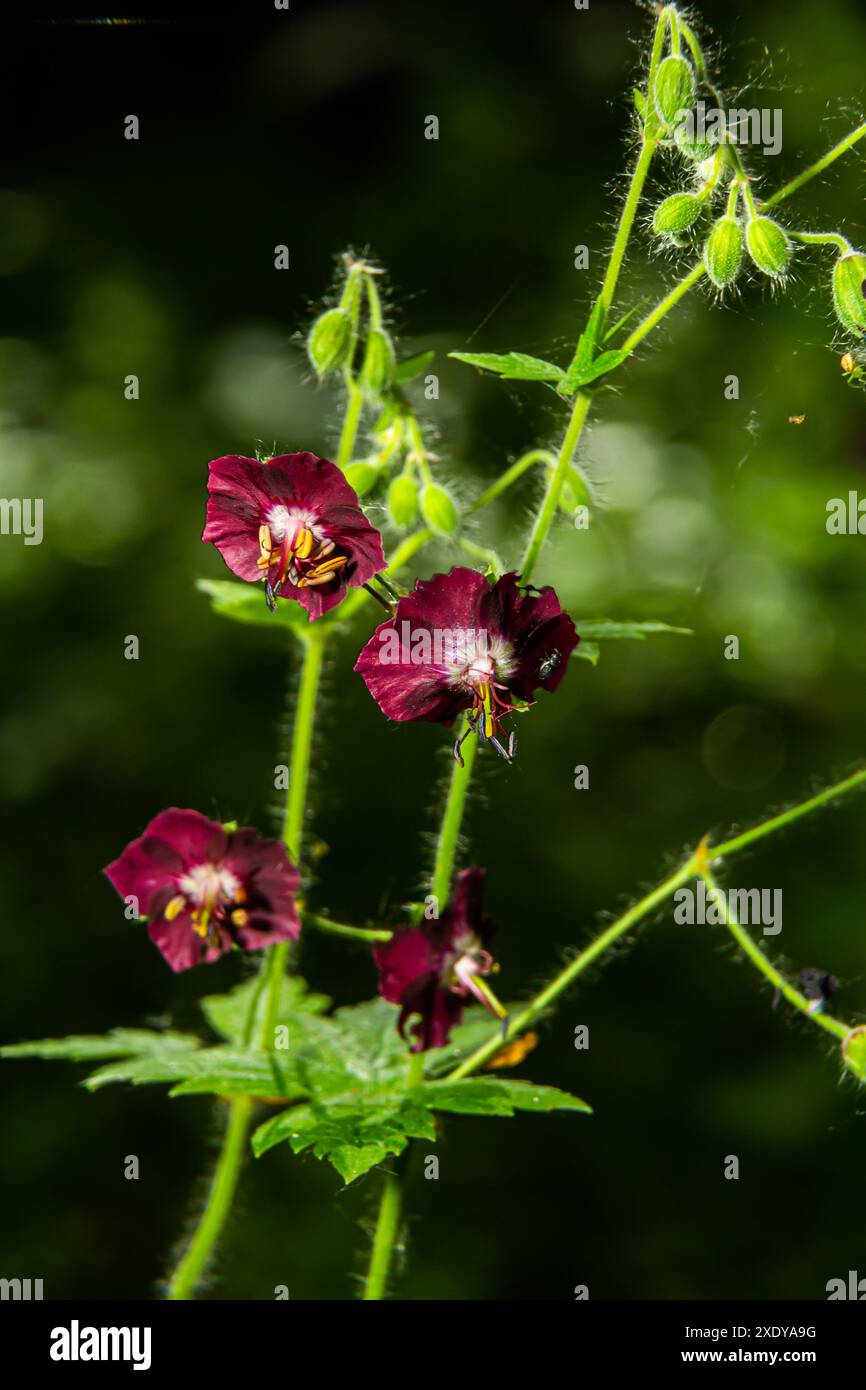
point(377, 368)
point(438, 509)
point(769, 246)
point(849, 289)
point(676, 214)
point(330, 341)
point(362, 476)
point(674, 88)
point(403, 500)
point(697, 150)
point(724, 251)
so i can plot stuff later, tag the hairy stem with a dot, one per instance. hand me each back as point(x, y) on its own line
point(757, 957)
point(312, 919)
point(452, 819)
point(387, 1227)
point(817, 168)
point(697, 865)
point(188, 1272)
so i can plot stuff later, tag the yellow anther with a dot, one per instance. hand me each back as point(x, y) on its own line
point(328, 566)
point(302, 543)
point(175, 907)
point(265, 540)
point(240, 917)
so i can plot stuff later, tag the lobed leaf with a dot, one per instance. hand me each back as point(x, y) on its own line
point(512, 366)
point(120, 1042)
point(494, 1096)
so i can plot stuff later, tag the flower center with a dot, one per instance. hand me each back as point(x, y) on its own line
point(471, 963)
point(291, 552)
point(206, 891)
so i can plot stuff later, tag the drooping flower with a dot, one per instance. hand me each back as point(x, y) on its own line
point(432, 969)
point(205, 889)
point(294, 522)
point(457, 643)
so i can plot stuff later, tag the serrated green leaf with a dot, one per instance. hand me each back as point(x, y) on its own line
point(602, 629)
point(512, 366)
point(413, 366)
point(245, 603)
point(586, 345)
point(221, 1070)
point(120, 1042)
point(228, 1014)
point(353, 1137)
point(494, 1096)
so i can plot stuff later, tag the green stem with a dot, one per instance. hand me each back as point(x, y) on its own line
point(664, 307)
point(511, 476)
point(550, 501)
point(387, 1226)
point(349, 432)
point(626, 221)
point(186, 1276)
point(520, 1022)
point(452, 818)
point(697, 865)
point(757, 957)
point(191, 1267)
point(841, 243)
point(312, 919)
point(293, 826)
point(817, 168)
point(794, 813)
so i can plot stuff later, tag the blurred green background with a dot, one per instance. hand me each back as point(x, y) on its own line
point(156, 258)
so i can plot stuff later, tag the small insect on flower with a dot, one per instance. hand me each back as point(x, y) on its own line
point(456, 643)
point(796, 419)
point(294, 523)
point(432, 970)
point(206, 890)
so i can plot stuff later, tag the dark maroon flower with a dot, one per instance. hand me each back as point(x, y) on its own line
point(206, 889)
point(456, 643)
point(294, 522)
point(431, 970)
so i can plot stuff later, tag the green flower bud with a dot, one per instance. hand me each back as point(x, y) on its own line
point(674, 88)
point(696, 150)
point(330, 340)
point(438, 509)
point(676, 214)
point(769, 246)
point(849, 286)
point(362, 476)
point(403, 500)
point(724, 251)
point(378, 365)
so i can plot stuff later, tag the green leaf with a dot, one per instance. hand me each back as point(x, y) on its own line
point(601, 629)
point(511, 366)
point(120, 1042)
point(586, 344)
point(588, 651)
point(413, 366)
point(640, 102)
point(352, 1138)
point(227, 1014)
point(220, 1070)
point(245, 603)
point(600, 366)
point(492, 1096)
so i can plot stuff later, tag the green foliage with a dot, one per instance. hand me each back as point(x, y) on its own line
point(245, 603)
point(854, 1052)
point(413, 367)
point(344, 1076)
point(512, 366)
point(595, 630)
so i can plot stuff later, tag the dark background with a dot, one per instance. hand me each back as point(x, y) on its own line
point(156, 258)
